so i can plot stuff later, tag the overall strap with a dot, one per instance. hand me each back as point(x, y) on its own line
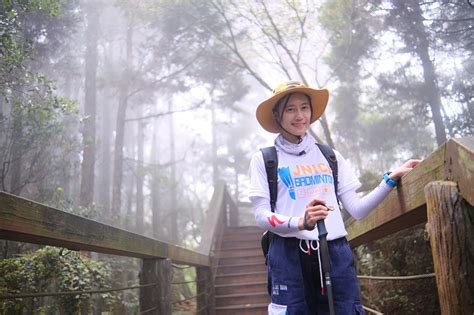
point(330, 156)
point(271, 167)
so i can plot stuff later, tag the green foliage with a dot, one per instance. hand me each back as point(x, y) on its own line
point(35, 130)
point(403, 253)
point(15, 49)
point(52, 269)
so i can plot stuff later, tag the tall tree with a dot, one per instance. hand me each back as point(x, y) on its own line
point(89, 127)
point(140, 175)
point(349, 30)
point(120, 124)
point(31, 130)
point(407, 18)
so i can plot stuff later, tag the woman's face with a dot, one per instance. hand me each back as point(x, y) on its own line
point(296, 115)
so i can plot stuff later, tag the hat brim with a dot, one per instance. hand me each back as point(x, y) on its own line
point(264, 113)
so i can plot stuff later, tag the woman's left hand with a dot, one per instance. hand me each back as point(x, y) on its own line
point(403, 169)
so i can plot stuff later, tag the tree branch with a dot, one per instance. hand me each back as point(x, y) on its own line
point(166, 113)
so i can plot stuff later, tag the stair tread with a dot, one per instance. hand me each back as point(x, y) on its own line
point(257, 246)
point(242, 274)
point(249, 255)
point(241, 295)
point(250, 264)
point(240, 284)
point(243, 306)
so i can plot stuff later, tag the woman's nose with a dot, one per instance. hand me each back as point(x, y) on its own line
point(299, 113)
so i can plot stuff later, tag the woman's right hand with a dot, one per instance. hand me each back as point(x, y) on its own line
point(316, 210)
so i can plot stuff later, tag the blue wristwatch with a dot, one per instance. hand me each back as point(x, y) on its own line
point(389, 181)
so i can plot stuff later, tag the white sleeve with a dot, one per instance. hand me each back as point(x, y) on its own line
point(260, 198)
point(347, 179)
point(268, 220)
point(360, 207)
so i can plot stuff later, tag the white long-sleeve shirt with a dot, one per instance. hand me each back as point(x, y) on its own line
point(300, 179)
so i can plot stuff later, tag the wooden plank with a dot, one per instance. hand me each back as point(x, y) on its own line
point(404, 206)
point(460, 166)
point(27, 221)
point(451, 231)
point(156, 299)
point(205, 291)
point(233, 210)
point(213, 219)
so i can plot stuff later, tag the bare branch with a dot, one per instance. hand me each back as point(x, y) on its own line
point(234, 48)
point(166, 113)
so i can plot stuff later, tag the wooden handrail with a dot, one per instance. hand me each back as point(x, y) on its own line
point(440, 192)
point(212, 218)
point(32, 222)
point(406, 206)
point(27, 221)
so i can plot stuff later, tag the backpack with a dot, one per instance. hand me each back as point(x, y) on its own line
point(271, 167)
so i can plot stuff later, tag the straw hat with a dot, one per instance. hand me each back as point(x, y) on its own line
point(319, 100)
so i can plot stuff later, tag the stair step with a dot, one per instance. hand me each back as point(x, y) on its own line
point(239, 252)
point(254, 309)
point(242, 299)
point(240, 244)
point(241, 277)
point(243, 229)
point(249, 259)
point(249, 287)
point(242, 237)
point(223, 270)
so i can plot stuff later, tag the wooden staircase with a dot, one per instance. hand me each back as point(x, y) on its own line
point(241, 279)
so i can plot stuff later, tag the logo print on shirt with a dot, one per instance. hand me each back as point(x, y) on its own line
point(285, 176)
point(307, 180)
point(272, 220)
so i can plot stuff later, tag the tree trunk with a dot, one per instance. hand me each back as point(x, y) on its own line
point(104, 170)
point(107, 130)
point(174, 230)
point(155, 199)
point(16, 154)
point(432, 93)
point(89, 128)
point(140, 177)
point(120, 132)
point(129, 174)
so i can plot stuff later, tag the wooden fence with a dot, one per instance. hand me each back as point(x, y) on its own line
point(440, 193)
point(31, 222)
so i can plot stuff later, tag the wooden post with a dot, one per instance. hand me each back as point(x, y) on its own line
point(156, 299)
point(450, 227)
point(233, 210)
point(205, 291)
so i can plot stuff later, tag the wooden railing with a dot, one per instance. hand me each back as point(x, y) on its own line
point(439, 192)
point(31, 222)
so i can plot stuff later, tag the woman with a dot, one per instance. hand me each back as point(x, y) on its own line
point(306, 195)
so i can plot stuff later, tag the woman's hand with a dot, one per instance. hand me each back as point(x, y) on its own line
point(403, 169)
point(316, 210)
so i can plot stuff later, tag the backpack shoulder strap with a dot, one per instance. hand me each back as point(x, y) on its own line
point(330, 156)
point(271, 167)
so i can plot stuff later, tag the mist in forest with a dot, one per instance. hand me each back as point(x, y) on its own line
point(129, 112)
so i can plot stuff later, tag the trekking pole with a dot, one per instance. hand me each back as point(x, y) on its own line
point(323, 247)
